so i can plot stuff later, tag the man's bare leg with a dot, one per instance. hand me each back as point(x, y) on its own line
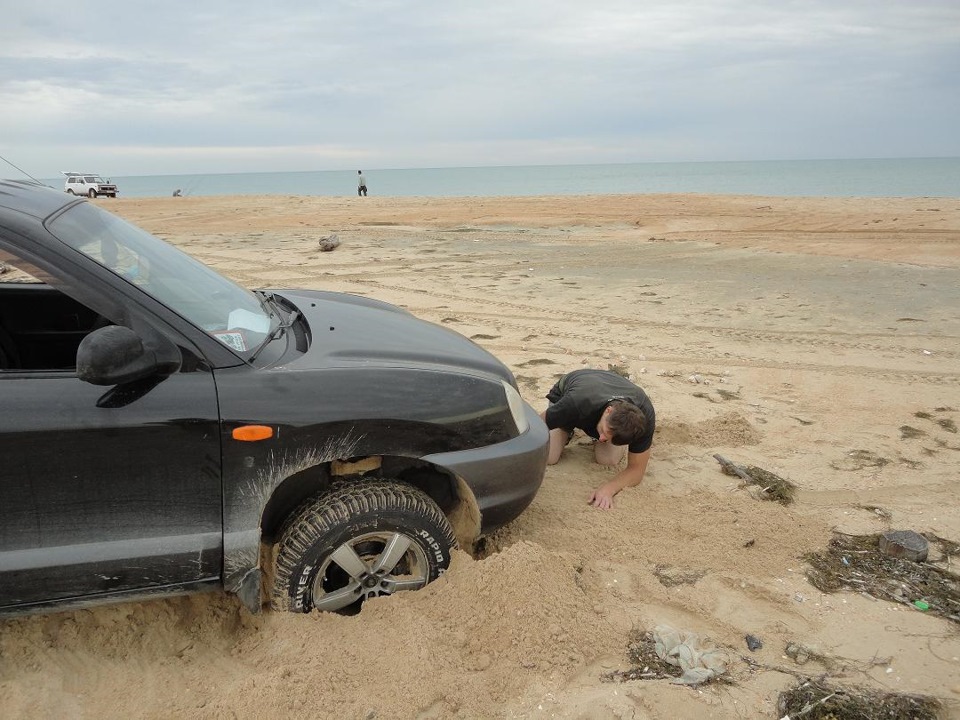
point(558, 441)
point(607, 453)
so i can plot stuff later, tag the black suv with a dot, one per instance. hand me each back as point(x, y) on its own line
point(164, 430)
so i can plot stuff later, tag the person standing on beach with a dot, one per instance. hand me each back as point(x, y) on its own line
point(613, 411)
point(361, 184)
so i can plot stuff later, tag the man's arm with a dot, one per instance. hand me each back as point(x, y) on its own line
point(558, 441)
point(631, 475)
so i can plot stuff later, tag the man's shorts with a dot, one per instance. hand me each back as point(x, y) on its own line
point(556, 392)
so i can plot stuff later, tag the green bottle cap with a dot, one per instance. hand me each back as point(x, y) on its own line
point(921, 605)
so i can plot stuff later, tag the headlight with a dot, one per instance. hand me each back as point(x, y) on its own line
point(517, 407)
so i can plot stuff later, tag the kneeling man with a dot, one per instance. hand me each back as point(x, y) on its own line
point(615, 412)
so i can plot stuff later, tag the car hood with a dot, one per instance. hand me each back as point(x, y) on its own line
point(353, 330)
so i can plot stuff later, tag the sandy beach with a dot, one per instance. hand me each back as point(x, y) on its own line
point(798, 335)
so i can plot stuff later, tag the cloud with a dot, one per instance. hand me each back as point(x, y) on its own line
point(230, 87)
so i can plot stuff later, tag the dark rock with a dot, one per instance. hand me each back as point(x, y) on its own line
point(904, 544)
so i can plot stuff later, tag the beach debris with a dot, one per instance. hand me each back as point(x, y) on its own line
point(536, 361)
point(904, 544)
point(699, 662)
point(856, 460)
point(855, 563)
point(647, 665)
point(908, 433)
point(769, 486)
point(329, 242)
point(801, 654)
point(3, 268)
point(753, 642)
point(670, 576)
point(621, 370)
point(944, 423)
point(817, 700)
point(877, 510)
point(666, 652)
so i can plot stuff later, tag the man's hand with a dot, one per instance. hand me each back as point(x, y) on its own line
point(602, 497)
point(631, 475)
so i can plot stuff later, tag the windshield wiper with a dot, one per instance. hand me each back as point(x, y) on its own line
point(267, 301)
point(275, 333)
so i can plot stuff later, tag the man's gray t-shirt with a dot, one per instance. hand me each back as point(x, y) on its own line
point(580, 397)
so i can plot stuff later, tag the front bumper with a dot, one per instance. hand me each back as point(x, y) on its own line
point(504, 477)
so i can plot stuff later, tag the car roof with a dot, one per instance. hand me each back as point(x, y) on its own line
point(32, 198)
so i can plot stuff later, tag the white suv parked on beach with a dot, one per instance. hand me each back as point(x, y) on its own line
point(88, 184)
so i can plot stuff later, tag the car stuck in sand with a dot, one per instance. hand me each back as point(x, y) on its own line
point(166, 430)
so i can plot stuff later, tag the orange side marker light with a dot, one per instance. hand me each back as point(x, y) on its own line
point(252, 433)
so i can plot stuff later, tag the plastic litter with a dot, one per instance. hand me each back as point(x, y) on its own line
point(684, 650)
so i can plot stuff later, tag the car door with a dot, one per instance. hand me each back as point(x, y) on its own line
point(103, 489)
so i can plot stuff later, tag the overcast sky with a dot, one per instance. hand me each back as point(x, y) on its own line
point(137, 88)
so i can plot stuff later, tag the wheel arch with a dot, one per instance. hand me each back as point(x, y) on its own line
point(451, 494)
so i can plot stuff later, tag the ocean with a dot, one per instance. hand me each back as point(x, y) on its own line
point(903, 177)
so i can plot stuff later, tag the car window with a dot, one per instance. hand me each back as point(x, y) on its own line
point(11, 272)
point(233, 315)
point(41, 326)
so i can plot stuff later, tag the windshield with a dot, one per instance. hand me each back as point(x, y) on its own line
point(224, 310)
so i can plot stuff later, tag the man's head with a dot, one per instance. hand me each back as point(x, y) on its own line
point(359, 172)
point(621, 423)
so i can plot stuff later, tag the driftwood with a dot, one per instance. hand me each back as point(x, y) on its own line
point(733, 469)
point(768, 486)
point(329, 243)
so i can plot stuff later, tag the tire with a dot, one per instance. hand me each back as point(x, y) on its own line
point(70, 191)
point(91, 193)
point(360, 540)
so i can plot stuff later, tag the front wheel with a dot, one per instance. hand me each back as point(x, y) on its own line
point(91, 193)
point(359, 541)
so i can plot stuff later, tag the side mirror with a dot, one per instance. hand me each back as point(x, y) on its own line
point(114, 355)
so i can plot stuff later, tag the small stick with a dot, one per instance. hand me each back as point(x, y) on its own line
point(732, 469)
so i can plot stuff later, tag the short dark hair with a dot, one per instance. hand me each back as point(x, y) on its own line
point(627, 423)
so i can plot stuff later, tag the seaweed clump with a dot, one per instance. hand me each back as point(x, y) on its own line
point(647, 665)
point(855, 563)
point(816, 700)
point(770, 486)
